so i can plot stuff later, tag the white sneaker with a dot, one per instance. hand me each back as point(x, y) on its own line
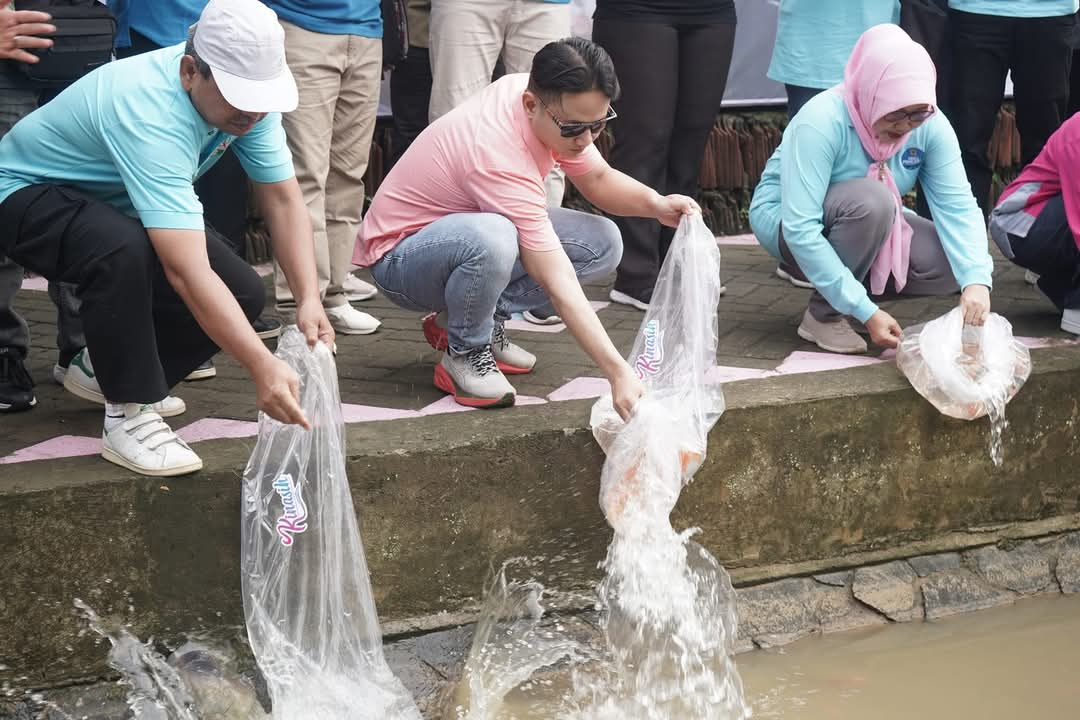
point(357, 290)
point(143, 443)
point(1031, 277)
point(347, 320)
point(797, 282)
point(642, 303)
point(79, 379)
point(538, 318)
point(837, 337)
point(1070, 321)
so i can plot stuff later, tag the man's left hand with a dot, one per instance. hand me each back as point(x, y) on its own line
point(671, 208)
point(312, 321)
point(975, 304)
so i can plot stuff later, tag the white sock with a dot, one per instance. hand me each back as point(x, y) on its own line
point(114, 414)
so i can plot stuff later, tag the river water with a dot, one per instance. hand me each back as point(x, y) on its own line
point(1020, 661)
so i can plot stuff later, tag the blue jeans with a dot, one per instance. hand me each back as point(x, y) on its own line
point(468, 265)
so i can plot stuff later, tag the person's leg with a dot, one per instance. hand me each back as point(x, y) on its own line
point(858, 216)
point(797, 96)
point(182, 343)
point(410, 95)
point(982, 48)
point(1049, 249)
point(457, 267)
point(1040, 71)
point(929, 272)
point(649, 82)
point(531, 26)
point(465, 41)
point(16, 386)
point(353, 126)
point(704, 58)
point(593, 244)
point(317, 61)
point(70, 338)
point(223, 193)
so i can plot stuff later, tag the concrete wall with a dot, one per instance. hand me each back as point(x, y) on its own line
point(805, 474)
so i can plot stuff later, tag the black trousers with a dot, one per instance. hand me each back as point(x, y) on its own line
point(1049, 249)
point(670, 97)
point(141, 335)
point(410, 95)
point(985, 48)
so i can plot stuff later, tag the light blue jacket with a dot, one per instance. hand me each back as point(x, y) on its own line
point(820, 148)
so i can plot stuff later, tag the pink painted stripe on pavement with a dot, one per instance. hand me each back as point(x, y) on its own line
point(35, 283)
point(748, 239)
point(726, 373)
point(58, 447)
point(370, 413)
point(1034, 342)
point(804, 362)
point(581, 388)
point(217, 429)
point(449, 405)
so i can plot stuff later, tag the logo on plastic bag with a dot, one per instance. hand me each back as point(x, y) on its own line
point(652, 355)
point(294, 519)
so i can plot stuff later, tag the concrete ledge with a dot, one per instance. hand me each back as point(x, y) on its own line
point(805, 473)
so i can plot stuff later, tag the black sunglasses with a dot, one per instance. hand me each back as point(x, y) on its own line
point(570, 130)
point(915, 116)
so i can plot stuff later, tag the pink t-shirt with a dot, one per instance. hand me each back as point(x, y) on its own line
point(480, 157)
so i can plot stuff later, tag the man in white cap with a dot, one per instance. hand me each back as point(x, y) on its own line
point(96, 189)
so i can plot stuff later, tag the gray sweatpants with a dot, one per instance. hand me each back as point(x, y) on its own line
point(858, 216)
point(14, 105)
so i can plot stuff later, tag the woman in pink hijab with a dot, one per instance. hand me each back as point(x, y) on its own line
point(828, 205)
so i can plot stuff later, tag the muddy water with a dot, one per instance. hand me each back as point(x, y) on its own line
point(1021, 661)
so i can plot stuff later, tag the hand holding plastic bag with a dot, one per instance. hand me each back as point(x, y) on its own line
point(310, 612)
point(651, 456)
point(963, 370)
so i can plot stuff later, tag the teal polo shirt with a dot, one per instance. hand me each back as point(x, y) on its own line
point(820, 148)
point(814, 38)
point(1017, 8)
point(127, 134)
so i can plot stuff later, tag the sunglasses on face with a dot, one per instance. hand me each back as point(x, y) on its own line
point(915, 116)
point(573, 129)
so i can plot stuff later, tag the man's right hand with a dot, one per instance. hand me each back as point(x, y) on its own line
point(884, 330)
point(278, 392)
point(18, 31)
point(626, 390)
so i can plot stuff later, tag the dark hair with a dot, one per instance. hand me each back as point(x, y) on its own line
point(572, 65)
point(189, 49)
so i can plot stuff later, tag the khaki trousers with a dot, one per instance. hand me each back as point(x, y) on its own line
point(329, 135)
point(467, 38)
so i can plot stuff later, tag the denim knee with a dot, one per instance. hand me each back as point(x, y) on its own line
point(493, 240)
point(607, 242)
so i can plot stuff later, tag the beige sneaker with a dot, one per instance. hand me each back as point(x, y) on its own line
point(837, 337)
point(347, 320)
point(357, 290)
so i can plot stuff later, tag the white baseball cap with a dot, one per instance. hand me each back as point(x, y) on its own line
point(244, 45)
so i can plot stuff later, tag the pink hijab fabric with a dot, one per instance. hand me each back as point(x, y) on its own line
point(887, 71)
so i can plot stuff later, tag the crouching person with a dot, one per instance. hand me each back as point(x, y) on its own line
point(460, 226)
point(96, 189)
point(828, 206)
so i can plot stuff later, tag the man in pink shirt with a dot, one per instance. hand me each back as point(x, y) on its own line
point(460, 226)
point(1036, 223)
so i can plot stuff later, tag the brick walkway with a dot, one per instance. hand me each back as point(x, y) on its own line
point(388, 374)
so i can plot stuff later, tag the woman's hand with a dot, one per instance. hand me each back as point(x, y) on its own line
point(975, 304)
point(884, 330)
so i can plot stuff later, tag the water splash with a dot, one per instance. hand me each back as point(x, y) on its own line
point(196, 682)
point(663, 649)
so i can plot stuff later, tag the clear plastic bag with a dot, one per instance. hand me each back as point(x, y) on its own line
point(964, 371)
point(652, 456)
point(308, 602)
